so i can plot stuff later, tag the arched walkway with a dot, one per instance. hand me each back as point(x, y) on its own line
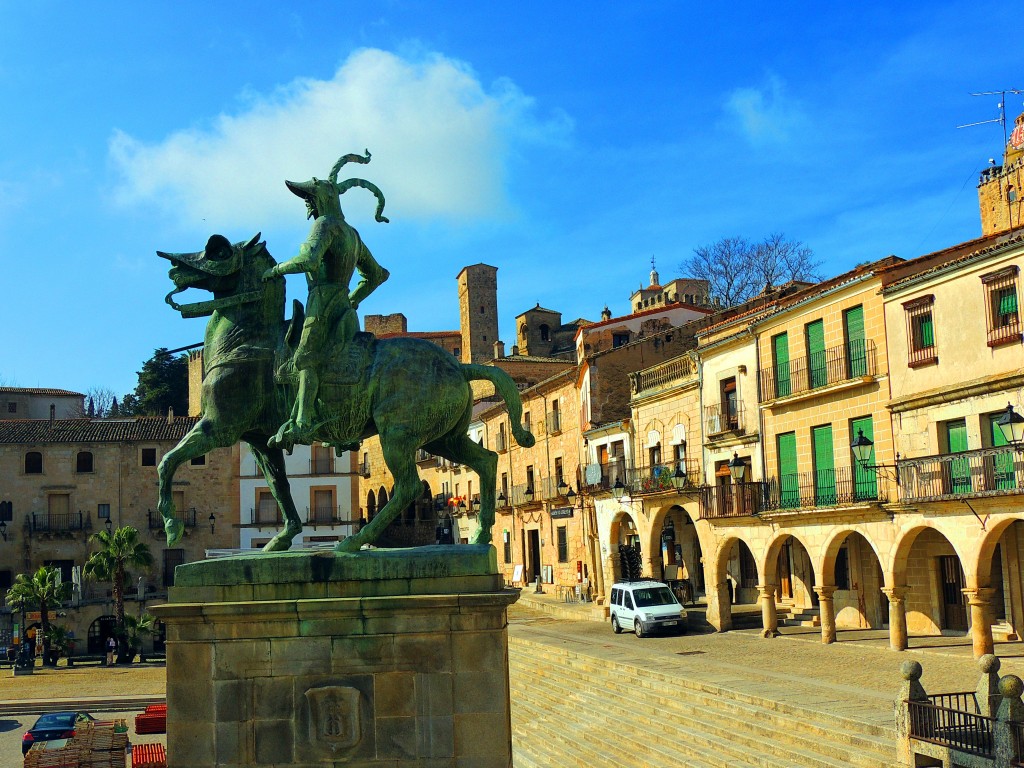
point(732, 579)
point(998, 578)
point(371, 505)
point(99, 631)
point(625, 553)
point(674, 537)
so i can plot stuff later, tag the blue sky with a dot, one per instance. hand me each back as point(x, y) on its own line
point(563, 143)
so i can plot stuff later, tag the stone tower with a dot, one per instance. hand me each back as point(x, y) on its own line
point(999, 188)
point(478, 312)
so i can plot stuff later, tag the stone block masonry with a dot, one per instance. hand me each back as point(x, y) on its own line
point(378, 659)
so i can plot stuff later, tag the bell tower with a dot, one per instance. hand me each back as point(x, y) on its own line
point(478, 312)
point(999, 188)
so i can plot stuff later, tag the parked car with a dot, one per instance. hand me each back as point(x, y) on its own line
point(646, 606)
point(53, 725)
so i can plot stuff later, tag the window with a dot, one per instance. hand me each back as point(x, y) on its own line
point(12, 407)
point(748, 569)
point(545, 332)
point(730, 405)
point(654, 455)
point(780, 361)
point(1001, 307)
point(620, 339)
point(843, 568)
point(507, 539)
point(920, 331)
point(33, 463)
point(529, 477)
point(6, 511)
point(563, 544)
point(856, 345)
point(6, 580)
point(526, 420)
point(64, 566)
point(322, 461)
point(83, 462)
point(103, 511)
point(824, 466)
point(267, 510)
point(172, 559)
point(789, 480)
point(865, 481)
point(457, 352)
point(817, 359)
point(324, 509)
point(199, 461)
point(504, 485)
point(482, 310)
point(680, 456)
point(149, 457)
point(958, 479)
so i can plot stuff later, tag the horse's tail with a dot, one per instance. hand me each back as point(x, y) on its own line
point(510, 394)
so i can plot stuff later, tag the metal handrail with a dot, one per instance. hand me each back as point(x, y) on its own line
point(834, 487)
point(656, 478)
point(611, 472)
point(263, 517)
point(56, 522)
point(724, 417)
point(834, 365)
point(964, 731)
point(658, 375)
point(733, 500)
point(983, 472)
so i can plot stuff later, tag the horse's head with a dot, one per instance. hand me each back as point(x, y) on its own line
point(232, 273)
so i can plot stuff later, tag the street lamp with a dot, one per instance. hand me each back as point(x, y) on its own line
point(737, 468)
point(108, 525)
point(618, 489)
point(3, 530)
point(476, 504)
point(679, 478)
point(1011, 424)
point(863, 448)
point(213, 521)
point(528, 494)
point(502, 501)
point(563, 487)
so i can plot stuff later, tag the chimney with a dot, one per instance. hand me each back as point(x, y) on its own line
point(515, 350)
point(499, 349)
point(170, 414)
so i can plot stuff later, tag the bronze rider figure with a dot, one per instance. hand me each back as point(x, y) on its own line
point(333, 251)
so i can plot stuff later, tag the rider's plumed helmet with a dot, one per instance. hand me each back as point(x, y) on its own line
point(324, 193)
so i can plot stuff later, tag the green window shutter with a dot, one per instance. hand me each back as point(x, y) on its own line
point(789, 480)
point(1004, 472)
point(865, 482)
point(816, 362)
point(959, 469)
point(1007, 301)
point(780, 352)
point(927, 332)
point(824, 466)
point(856, 352)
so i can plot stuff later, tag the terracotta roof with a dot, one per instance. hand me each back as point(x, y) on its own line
point(135, 429)
point(908, 271)
point(39, 391)
point(654, 310)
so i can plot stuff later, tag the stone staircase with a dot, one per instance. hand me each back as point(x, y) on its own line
point(807, 617)
point(569, 709)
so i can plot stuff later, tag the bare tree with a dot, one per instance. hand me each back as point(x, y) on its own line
point(738, 270)
point(98, 401)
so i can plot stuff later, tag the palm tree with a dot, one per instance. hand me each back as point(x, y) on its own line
point(43, 590)
point(118, 552)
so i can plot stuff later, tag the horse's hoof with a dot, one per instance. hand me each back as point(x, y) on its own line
point(348, 545)
point(174, 529)
point(280, 543)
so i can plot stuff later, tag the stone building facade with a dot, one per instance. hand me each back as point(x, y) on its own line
point(68, 478)
point(999, 187)
point(40, 403)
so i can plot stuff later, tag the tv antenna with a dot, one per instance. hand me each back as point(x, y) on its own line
point(1002, 109)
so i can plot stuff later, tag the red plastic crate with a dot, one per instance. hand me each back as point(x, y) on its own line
point(149, 756)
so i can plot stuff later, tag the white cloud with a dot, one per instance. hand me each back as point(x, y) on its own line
point(439, 140)
point(765, 114)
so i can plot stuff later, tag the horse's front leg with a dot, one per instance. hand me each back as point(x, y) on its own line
point(198, 441)
point(271, 462)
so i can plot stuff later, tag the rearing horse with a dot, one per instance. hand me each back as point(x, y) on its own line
point(410, 392)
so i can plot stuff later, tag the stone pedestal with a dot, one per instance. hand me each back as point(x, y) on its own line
point(382, 658)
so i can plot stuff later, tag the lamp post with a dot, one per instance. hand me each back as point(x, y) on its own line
point(737, 468)
point(618, 489)
point(476, 504)
point(679, 478)
point(213, 521)
point(1011, 424)
point(863, 448)
point(3, 530)
point(528, 494)
point(501, 500)
point(108, 525)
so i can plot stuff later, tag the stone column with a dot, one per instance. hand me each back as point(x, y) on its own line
point(610, 575)
point(719, 612)
point(652, 566)
point(910, 690)
point(828, 613)
point(980, 599)
point(769, 618)
point(897, 616)
point(1011, 710)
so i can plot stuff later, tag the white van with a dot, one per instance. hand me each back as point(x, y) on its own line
point(645, 606)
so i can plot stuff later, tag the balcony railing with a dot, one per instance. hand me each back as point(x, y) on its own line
point(325, 516)
point(550, 487)
point(265, 515)
point(610, 473)
point(837, 487)
point(554, 422)
point(525, 493)
point(821, 369)
point(56, 522)
point(661, 477)
point(500, 443)
point(323, 465)
point(424, 457)
point(662, 374)
point(984, 472)
point(724, 417)
point(733, 500)
point(155, 520)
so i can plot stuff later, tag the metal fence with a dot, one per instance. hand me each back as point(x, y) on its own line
point(664, 373)
point(965, 731)
point(823, 488)
point(661, 477)
point(821, 369)
point(56, 522)
point(984, 472)
point(733, 500)
point(724, 417)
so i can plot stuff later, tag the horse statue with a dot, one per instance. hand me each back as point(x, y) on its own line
point(410, 392)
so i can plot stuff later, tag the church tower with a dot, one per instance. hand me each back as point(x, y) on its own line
point(478, 312)
point(999, 188)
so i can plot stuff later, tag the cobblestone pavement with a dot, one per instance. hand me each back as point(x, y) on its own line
point(857, 676)
point(62, 683)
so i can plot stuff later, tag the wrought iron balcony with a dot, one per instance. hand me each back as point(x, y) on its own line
point(602, 477)
point(524, 494)
point(269, 515)
point(733, 500)
point(323, 465)
point(724, 417)
point(424, 457)
point(155, 520)
point(971, 474)
point(553, 487)
point(325, 516)
point(661, 477)
point(554, 422)
point(56, 522)
point(831, 366)
point(836, 487)
point(500, 443)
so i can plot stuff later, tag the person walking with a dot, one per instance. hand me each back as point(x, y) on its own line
point(111, 647)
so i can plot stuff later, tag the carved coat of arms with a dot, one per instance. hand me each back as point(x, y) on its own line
point(334, 720)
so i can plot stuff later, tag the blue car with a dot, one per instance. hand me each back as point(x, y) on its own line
point(53, 725)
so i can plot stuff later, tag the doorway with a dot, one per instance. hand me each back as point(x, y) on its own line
point(954, 612)
point(533, 566)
